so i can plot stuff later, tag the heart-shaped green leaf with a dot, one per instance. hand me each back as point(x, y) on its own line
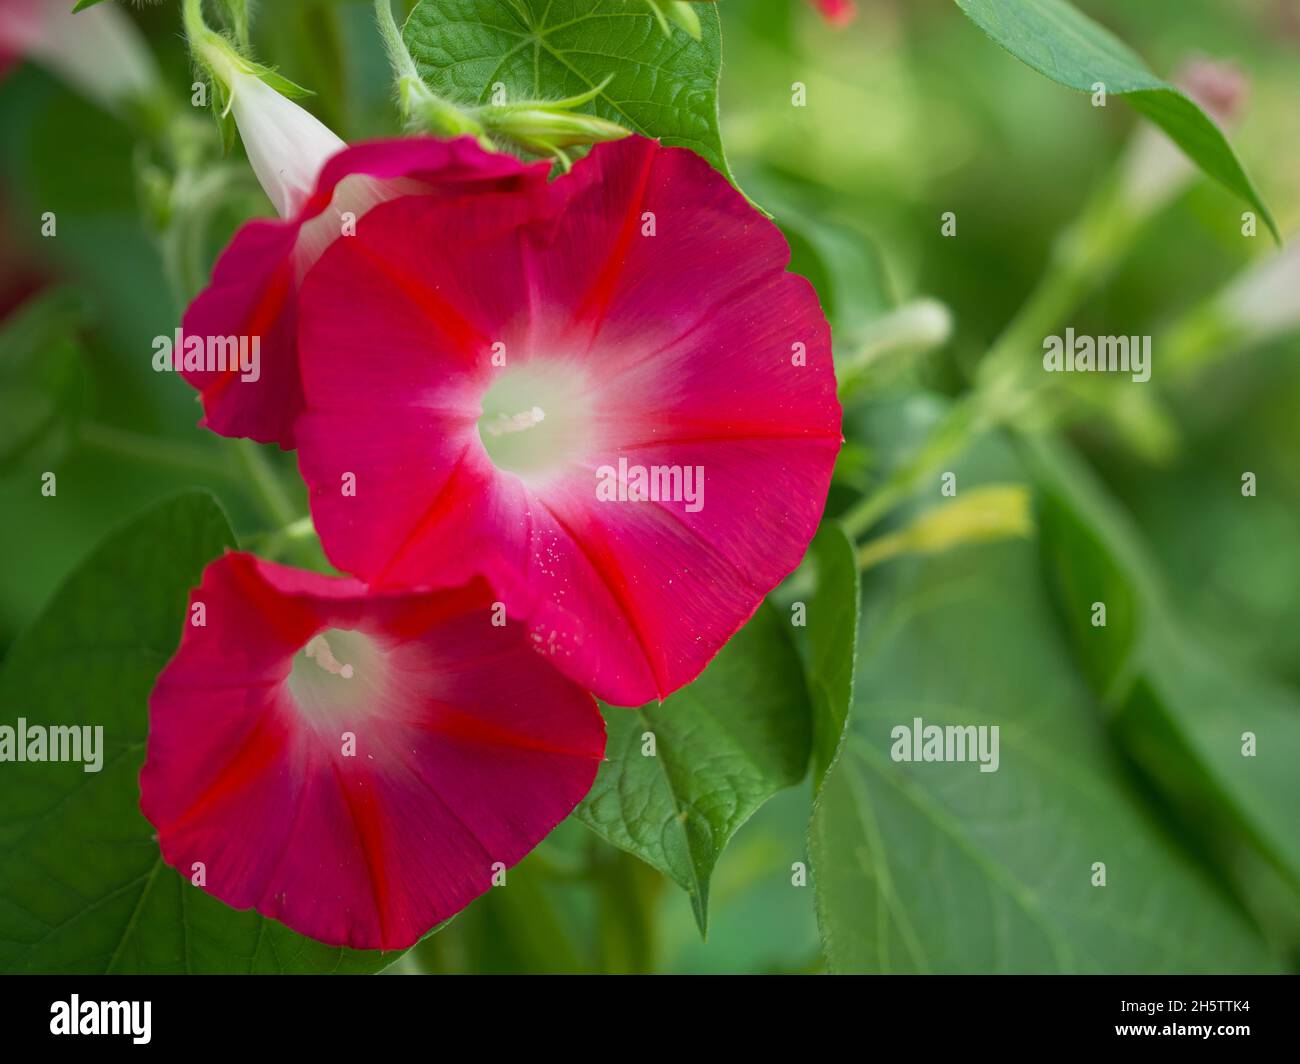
point(660, 85)
point(682, 777)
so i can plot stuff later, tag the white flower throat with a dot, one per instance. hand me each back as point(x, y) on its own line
point(536, 420)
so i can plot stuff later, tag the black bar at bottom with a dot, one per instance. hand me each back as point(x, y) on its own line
point(383, 1013)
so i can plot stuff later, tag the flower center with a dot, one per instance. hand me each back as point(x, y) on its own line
point(536, 420)
point(338, 674)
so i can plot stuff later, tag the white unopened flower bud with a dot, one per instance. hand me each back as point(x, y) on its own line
point(287, 145)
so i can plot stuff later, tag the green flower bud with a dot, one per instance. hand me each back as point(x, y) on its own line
point(548, 127)
point(542, 129)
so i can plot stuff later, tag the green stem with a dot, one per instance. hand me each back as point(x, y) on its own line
point(287, 540)
point(1016, 353)
point(265, 485)
point(1197, 340)
point(626, 898)
point(204, 41)
point(240, 15)
point(1004, 384)
point(420, 104)
point(962, 423)
point(213, 51)
point(894, 341)
point(398, 56)
point(137, 447)
point(1081, 260)
point(197, 193)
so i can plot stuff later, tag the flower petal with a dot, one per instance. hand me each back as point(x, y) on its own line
point(255, 282)
point(649, 283)
point(286, 144)
point(468, 749)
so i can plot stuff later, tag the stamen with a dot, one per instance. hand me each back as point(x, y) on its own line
point(503, 423)
point(536, 419)
point(318, 650)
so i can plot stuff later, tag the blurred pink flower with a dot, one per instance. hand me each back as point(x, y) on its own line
point(98, 51)
point(837, 12)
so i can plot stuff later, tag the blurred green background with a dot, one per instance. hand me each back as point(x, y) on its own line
point(916, 113)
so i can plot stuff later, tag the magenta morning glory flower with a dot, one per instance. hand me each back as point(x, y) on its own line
point(321, 189)
point(358, 766)
point(612, 400)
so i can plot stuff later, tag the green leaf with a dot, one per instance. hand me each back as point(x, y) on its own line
point(832, 641)
point(723, 746)
point(660, 86)
point(83, 4)
point(940, 867)
point(1181, 710)
point(41, 381)
point(83, 884)
point(1060, 42)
